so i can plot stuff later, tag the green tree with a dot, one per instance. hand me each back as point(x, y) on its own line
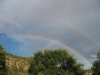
point(96, 65)
point(40, 73)
point(29, 59)
point(55, 62)
point(2, 61)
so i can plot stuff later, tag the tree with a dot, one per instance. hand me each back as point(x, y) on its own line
point(40, 73)
point(96, 65)
point(55, 62)
point(2, 61)
point(29, 59)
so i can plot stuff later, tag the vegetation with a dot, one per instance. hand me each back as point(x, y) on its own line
point(2, 61)
point(47, 62)
point(16, 65)
point(96, 65)
point(55, 62)
point(88, 72)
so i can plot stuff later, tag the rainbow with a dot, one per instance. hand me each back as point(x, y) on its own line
point(67, 25)
point(32, 36)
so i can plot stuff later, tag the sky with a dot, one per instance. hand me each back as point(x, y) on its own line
point(30, 25)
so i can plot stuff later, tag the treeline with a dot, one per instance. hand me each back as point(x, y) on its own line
point(12, 64)
point(55, 62)
point(16, 65)
point(47, 62)
point(2, 61)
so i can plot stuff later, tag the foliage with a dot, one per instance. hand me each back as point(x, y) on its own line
point(16, 65)
point(96, 65)
point(40, 73)
point(49, 62)
point(2, 61)
point(29, 59)
point(55, 62)
point(88, 70)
